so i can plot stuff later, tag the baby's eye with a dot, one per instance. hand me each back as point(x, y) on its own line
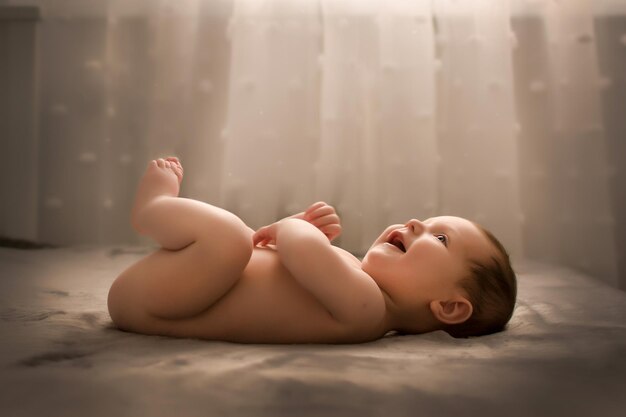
point(443, 239)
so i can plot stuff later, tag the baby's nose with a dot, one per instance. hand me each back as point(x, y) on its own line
point(415, 226)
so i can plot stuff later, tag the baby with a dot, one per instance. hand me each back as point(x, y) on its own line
point(215, 278)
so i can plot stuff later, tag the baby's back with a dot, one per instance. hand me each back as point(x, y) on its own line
point(266, 305)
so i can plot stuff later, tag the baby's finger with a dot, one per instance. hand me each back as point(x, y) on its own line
point(325, 220)
point(314, 207)
point(265, 235)
point(331, 231)
point(258, 237)
point(263, 242)
point(320, 212)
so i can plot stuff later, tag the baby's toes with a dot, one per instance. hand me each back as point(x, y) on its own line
point(178, 170)
point(173, 160)
point(176, 165)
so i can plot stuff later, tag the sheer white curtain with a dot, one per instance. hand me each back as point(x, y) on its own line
point(376, 138)
point(569, 82)
point(498, 111)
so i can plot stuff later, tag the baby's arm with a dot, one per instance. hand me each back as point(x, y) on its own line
point(349, 294)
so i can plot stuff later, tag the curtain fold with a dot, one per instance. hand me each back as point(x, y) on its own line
point(506, 112)
point(569, 208)
point(378, 159)
point(477, 122)
point(270, 136)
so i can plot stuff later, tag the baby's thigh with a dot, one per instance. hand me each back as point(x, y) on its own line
point(224, 247)
point(174, 284)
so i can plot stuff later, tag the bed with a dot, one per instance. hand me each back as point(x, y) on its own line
point(564, 354)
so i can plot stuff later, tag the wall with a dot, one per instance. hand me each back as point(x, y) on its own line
point(19, 147)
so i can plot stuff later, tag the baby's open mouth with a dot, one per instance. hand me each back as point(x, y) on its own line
point(396, 241)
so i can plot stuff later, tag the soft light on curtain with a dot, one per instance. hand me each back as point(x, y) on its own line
point(498, 111)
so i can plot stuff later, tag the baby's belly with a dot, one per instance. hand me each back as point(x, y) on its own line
point(267, 305)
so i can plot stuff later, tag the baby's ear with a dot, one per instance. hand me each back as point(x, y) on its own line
point(452, 311)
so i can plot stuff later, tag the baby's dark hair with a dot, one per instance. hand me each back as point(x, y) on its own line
point(492, 290)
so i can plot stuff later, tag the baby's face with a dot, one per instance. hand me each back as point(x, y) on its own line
point(419, 262)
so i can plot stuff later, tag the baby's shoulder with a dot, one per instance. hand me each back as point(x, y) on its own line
point(365, 299)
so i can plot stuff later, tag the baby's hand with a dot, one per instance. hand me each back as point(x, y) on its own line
point(266, 235)
point(324, 217)
point(320, 215)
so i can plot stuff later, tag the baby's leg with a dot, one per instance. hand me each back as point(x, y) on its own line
point(157, 208)
point(205, 251)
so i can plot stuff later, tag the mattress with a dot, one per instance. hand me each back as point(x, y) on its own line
point(563, 354)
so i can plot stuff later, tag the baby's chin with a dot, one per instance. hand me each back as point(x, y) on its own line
point(368, 254)
point(365, 262)
point(368, 264)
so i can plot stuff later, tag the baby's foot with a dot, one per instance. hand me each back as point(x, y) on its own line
point(174, 165)
point(162, 178)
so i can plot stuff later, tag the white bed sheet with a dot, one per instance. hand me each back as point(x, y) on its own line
point(563, 355)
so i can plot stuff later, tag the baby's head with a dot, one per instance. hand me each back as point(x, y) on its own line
point(446, 273)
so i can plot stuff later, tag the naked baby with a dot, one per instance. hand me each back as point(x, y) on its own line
point(215, 278)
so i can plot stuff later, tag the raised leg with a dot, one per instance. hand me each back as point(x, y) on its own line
point(154, 213)
point(205, 250)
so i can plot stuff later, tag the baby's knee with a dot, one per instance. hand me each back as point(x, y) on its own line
point(234, 240)
point(240, 240)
